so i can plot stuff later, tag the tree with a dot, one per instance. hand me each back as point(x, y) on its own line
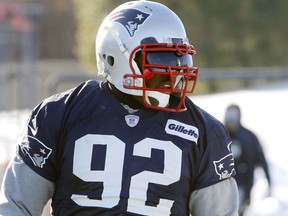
point(89, 15)
point(225, 33)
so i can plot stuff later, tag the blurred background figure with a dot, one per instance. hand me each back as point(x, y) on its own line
point(248, 154)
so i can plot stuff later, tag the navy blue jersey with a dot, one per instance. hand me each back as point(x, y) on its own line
point(107, 161)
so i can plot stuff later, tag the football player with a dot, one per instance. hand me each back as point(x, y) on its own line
point(134, 144)
point(248, 153)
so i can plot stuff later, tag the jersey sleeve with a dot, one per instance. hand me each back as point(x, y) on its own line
point(37, 144)
point(216, 159)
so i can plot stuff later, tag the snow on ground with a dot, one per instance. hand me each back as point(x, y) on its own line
point(11, 124)
point(264, 111)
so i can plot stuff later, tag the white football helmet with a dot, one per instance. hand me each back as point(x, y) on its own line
point(140, 39)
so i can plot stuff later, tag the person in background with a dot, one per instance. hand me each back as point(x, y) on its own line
point(134, 144)
point(248, 154)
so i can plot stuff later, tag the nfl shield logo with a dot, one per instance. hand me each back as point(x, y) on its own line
point(132, 120)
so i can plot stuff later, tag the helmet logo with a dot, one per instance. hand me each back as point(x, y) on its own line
point(130, 19)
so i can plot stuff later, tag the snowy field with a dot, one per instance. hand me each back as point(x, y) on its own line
point(264, 111)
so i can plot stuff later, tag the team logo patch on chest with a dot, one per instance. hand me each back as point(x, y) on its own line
point(182, 130)
point(132, 120)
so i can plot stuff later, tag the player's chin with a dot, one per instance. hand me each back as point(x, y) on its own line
point(153, 101)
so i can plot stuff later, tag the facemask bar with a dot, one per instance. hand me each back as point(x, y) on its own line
point(182, 77)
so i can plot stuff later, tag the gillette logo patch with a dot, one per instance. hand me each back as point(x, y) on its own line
point(182, 130)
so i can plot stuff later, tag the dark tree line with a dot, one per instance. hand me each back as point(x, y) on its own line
point(227, 33)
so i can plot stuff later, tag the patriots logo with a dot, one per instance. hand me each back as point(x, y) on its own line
point(224, 167)
point(37, 151)
point(130, 19)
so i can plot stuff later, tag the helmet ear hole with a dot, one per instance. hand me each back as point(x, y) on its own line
point(110, 60)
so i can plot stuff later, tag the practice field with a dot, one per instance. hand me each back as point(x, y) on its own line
point(264, 111)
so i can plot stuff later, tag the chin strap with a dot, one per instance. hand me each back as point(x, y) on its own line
point(162, 98)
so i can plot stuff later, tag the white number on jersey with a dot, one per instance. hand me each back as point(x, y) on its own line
point(111, 176)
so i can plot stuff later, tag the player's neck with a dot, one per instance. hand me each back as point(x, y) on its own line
point(126, 99)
